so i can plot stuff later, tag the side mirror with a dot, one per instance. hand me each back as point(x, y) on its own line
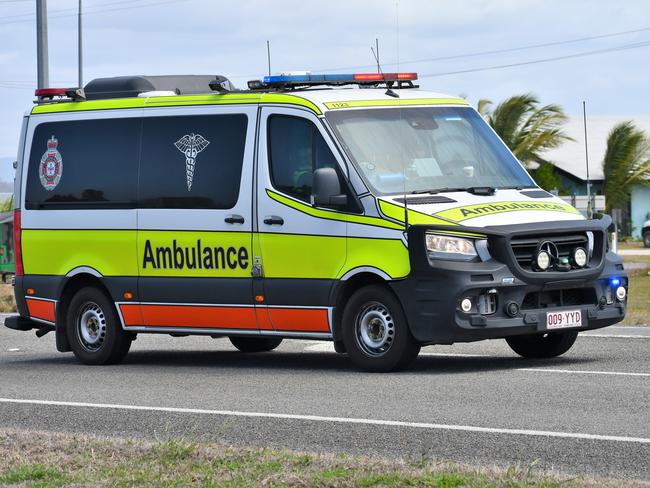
point(326, 189)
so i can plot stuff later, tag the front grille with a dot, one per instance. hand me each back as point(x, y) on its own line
point(559, 298)
point(524, 248)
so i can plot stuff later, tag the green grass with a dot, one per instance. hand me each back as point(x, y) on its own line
point(72, 460)
point(638, 311)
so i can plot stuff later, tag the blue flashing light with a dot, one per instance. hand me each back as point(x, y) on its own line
point(615, 281)
point(308, 78)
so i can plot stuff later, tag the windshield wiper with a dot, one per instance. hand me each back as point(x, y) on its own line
point(474, 190)
point(518, 187)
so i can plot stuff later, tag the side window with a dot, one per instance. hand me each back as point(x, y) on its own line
point(296, 149)
point(192, 161)
point(84, 164)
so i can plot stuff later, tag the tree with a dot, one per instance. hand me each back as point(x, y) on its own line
point(7, 205)
point(527, 128)
point(626, 163)
point(546, 177)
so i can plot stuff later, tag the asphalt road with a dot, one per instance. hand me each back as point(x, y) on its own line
point(585, 413)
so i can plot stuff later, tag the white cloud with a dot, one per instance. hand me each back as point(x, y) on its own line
point(229, 38)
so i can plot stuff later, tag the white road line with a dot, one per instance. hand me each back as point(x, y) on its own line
point(616, 336)
point(341, 420)
point(453, 355)
point(329, 347)
point(572, 371)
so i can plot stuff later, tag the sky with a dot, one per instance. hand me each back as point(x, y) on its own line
point(123, 37)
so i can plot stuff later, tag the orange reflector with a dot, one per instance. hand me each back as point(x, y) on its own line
point(259, 298)
point(128, 295)
point(31, 291)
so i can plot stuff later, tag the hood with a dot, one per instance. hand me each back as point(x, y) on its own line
point(504, 207)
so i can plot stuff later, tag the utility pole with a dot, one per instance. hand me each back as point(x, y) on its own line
point(590, 210)
point(41, 44)
point(80, 46)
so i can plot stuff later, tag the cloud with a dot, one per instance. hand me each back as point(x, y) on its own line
point(229, 38)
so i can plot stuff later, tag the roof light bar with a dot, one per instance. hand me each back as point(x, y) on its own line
point(73, 93)
point(50, 92)
point(306, 79)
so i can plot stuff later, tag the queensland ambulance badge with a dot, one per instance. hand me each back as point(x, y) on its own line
point(51, 165)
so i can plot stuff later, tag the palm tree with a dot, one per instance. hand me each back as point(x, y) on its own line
point(527, 128)
point(626, 163)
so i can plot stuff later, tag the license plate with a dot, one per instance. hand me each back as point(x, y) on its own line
point(560, 320)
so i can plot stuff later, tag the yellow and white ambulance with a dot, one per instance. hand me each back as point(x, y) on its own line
point(354, 208)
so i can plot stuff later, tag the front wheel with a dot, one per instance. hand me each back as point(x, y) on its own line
point(542, 345)
point(255, 344)
point(94, 331)
point(646, 238)
point(376, 335)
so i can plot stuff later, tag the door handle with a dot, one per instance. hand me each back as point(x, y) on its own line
point(234, 219)
point(273, 220)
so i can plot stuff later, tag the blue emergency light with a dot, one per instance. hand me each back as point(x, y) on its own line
point(333, 79)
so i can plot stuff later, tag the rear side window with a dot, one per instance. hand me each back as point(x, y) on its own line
point(192, 161)
point(84, 164)
point(296, 150)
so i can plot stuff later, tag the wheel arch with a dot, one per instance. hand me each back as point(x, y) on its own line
point(74, 281)
point(349, 284)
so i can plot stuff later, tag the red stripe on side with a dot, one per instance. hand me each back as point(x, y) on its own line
point(131, 314)
point(299, 319)
point(190, 316)
point(263, 319)
point(41, 309)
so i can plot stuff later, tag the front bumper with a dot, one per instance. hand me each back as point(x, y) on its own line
point(431, 297)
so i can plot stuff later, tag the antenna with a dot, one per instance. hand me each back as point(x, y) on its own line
point(399, 102)
point(590, 210)
point(268, 54)
point(389, 84)
point(80, 47)
point(377, 55)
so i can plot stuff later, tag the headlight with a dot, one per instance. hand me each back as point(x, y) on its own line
point(450, 247)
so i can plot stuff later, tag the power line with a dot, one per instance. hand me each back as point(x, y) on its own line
point(544, 60)
point(97, 11)
point(64, 10)
point(484, 53)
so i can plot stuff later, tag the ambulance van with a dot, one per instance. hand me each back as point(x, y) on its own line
point(353, 208)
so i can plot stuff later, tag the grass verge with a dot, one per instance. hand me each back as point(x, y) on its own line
point(7, 300)
point(41, 459)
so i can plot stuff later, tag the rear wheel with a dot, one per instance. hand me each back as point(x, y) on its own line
point(646, 238)
point(542, 345)
point(376, 335)
point(94, 331)
point(255, 344)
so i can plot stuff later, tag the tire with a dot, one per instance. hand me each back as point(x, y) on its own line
point(542, 345)
point(255, 344)
point(646, 238)
point(376, 334)
point(94, 331)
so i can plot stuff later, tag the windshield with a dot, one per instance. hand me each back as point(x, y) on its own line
point(426, 149)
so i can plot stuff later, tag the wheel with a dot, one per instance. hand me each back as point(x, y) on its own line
point(646, 238)
point(94, 331)
point(375, 331)
point(542, 345)
point(255, 344)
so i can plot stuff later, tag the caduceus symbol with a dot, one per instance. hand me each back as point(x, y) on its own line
point(191, 145)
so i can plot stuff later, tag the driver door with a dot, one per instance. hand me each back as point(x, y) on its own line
point(300, 248)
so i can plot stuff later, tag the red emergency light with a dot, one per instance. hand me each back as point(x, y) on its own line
point(72, 93)
point(385, 76)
